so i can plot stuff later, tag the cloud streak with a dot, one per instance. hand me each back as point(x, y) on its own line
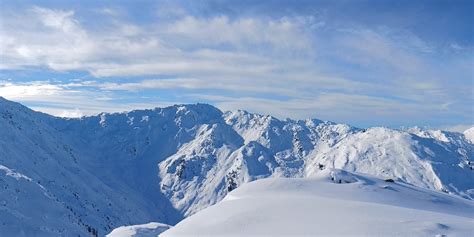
point(290, 66)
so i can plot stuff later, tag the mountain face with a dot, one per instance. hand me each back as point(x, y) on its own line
point(92, 174)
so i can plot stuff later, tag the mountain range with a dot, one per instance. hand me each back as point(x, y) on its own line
point(86, 176)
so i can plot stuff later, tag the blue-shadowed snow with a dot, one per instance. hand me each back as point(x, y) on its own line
point(336, 203)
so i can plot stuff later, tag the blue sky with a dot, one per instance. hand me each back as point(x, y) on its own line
point(366, 63)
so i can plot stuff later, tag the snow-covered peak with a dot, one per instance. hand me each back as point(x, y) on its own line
point(469, 134)
point(184, 115)
point(315, 122)
point(192, 113)
point(428, 133)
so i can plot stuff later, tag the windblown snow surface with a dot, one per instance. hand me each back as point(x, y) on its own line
point(334, 203)
point(145, 230)
point(87, 176)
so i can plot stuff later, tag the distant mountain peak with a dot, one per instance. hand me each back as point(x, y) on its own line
point(469, 134)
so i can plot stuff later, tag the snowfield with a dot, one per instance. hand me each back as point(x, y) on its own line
point(151, 229)
point(88, 176)
point(346, 205)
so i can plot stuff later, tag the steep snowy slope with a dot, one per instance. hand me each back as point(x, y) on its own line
point(128, 147)
point(422, 161)
point(469, 134)
point(46, 189)
point(436, 160)
point(167, 163)
point(336, 203)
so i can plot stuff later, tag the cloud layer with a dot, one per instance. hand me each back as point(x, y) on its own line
point(292, 66)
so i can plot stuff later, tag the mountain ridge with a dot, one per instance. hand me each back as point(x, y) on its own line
point(164, 164)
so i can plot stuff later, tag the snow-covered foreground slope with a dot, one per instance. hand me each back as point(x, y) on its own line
point(151, 229)
point(335, 203)
point(90, 175)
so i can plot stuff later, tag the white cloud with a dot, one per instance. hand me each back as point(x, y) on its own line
point(33, 89)
point(457, 128)
point(67, 100)
point(284, 33)
point(359, 110)
point(76, 113)
point(43, 37)
point(371, 48)
point(60, 20)
point(333, 74)
point(114, 12)
point(299, 108)
point(54, 38)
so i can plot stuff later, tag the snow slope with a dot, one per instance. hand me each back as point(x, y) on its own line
point(336, 203)
point(47, 188)
point(151, 229)
point(469, 134)
point(93, 174)
point(204, 170)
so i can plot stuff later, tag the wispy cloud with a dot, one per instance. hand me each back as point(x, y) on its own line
point(187, 45)
point(71, 100)
point(289, 66)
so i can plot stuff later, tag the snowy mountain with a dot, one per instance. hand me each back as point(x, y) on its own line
point(51, 185)
point(90, 175)
point(335, 203)
point(469, 134)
